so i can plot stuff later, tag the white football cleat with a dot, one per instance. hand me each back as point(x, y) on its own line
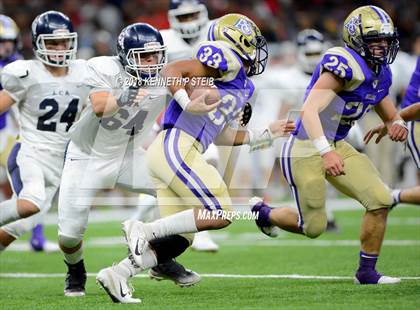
point(136, 240)
point(203, 242)
point(382, 280)
point(116, 286)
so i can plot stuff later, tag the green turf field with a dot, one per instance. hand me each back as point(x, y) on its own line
point(243, 252)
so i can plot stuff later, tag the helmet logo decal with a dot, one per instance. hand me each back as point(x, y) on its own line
point(152, 44)
point(353, 24)
point(244, 26)
point(61, 31)
point(386, 28)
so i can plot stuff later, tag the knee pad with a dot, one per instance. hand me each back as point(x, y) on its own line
point(169, 247)
point(68, 241)
point(315, 224)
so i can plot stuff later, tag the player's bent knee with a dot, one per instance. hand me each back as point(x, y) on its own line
point(377, 199)
point(26, 208)
point(316, 226)
point(69, 243)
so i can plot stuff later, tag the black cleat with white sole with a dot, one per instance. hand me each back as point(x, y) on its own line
point(75, 280)
point(171, 270)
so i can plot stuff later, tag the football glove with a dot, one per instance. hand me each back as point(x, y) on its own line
point(260, 139)
point(128, 97)
point(245, 115)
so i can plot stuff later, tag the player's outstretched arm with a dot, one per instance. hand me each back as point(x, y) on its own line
point(411, 113)
point(256, 138)
point(5, 101)
point(322, 93)
point(174, 72)
point(396, 127)
point(104, 104)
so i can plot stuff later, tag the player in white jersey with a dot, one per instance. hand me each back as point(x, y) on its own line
point(189, 24)
point(49, 95)
point(105, 151)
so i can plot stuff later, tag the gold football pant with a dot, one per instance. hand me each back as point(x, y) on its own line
point(182, 176)
point(413, 141)
point(303, 169)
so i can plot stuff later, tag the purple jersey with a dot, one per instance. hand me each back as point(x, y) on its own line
point(363, 89)
point(234, 88)
point(412, 94)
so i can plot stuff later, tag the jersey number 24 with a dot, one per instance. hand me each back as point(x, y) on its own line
point(68, 116)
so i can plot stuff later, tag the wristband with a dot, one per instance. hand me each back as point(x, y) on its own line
point(322, 145)
point(401, 123)
point(182, 98)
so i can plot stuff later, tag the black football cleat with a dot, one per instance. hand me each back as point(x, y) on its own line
point(75, 280)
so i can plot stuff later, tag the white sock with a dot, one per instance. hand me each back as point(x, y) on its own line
point(145, 205)
point(8, 211)
point(74, 257)
point(179, 223)
point(126, 269)
point(396, 195)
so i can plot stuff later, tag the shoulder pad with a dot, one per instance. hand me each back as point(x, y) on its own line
point(344, 65)
point(18, 68)
point(105, 65)
point(218, 55)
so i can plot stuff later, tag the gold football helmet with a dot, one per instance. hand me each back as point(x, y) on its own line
point(369, 24)
point(244, 37)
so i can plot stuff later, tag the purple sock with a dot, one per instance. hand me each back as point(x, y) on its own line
point(367, 274)
point(263, 214)
point(367, 261)
point(38, 238)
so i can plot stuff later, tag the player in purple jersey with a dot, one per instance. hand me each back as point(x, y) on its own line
point(9, 52)
point(187, 186)
point(347, 83)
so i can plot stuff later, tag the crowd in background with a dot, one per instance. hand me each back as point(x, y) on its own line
point(99, 21)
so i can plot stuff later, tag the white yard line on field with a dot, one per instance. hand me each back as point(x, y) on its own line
point(205, 275)
point(120, 213)
point(226, 239)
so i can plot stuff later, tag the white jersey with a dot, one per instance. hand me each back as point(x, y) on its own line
point(109, 136)
point(293, 82)
point(178, 48)
point(401, 68)
point(48, 105)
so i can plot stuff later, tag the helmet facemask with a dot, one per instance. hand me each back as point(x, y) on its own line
point(258, 59)
point(136, 64)
point(380, 54)
point(56, 58)
point(261, 57)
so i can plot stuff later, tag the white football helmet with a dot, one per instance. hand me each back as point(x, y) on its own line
point(311, 46)
point(188, 29)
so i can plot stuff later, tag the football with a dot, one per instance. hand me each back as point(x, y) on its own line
point(196, 89)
